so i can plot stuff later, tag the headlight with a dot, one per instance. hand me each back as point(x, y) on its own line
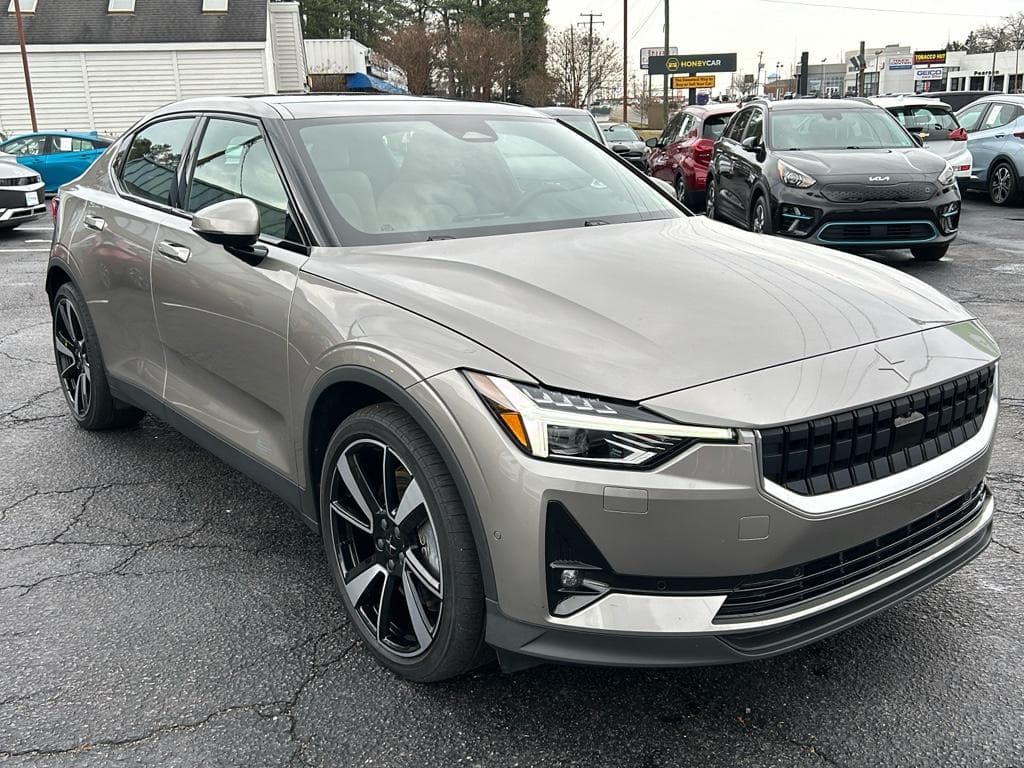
point(948, 176)
point(559, 425)
point(792, 177)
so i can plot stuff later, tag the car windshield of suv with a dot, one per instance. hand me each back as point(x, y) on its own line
point(620, 133)
point(931, 123)
point(835, 128)
point(582, 123)
point(714, 126)
point(403, 179)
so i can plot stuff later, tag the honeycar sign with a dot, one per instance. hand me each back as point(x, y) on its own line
point(693, 63)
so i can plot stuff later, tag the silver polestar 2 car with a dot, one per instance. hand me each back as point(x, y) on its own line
point(533, 407)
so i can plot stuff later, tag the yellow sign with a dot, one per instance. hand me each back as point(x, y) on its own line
point(697, 81)
point(672, 65)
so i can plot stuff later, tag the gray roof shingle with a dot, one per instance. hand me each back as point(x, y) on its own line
point(58, 22)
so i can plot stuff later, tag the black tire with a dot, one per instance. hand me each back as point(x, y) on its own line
point(456, 643)
point(687, 196)
point(760, 216)
point(929, 252)
point(711, 204)
point(83, 377)
point(1003, 186)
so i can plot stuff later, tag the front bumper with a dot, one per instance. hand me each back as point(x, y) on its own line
point(808, 215)
point(21, 203)
point(704, 515)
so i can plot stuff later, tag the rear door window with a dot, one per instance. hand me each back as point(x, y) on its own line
point(737, 125)
point(755, 126)
point(1000, 115)
point(150, 170)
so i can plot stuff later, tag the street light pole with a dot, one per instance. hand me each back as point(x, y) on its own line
point(625, 61)
point(821, 85)
point(664, 88)
point(24, 65)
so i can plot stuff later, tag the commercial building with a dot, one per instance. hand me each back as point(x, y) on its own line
point(103, 64)
point(902, 69)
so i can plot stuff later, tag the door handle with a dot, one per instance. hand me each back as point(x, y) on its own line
point(94, 222)
point(174, 251)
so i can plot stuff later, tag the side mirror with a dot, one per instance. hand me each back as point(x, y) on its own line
point(235, 224)
point(917, 139)
point(620, 149)
point(653, 143)
point(751, 144)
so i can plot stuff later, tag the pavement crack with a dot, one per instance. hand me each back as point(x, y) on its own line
point(1013, 549)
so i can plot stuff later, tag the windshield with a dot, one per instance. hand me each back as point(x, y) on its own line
point(584, 124)
point(387, 180)
point(931, 123)
point(620, 133)
point(836, 128)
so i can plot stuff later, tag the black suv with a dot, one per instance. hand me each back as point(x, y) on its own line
point(842, 173)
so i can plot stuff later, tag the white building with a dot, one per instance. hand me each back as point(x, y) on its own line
point(103, 64)
point(354, 66)
point(901, 69)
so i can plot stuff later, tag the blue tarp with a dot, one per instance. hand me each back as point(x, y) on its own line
point(361, 82)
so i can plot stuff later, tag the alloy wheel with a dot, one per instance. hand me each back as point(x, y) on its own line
point(1001, 184)
point(759, 218)
point(709, 207)
point(387, 547)
point(72, 357)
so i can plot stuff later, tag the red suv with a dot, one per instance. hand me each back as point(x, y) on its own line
point(681, 154)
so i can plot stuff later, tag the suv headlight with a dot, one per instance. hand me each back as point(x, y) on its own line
point(563, 426)
point(794, 177)
point(948, 176)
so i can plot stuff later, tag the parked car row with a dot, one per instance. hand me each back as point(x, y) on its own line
point(859, 174)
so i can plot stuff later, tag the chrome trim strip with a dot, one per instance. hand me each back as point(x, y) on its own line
point(899, 484)
point(665, 614)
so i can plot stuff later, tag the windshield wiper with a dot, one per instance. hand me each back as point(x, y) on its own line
point(432, 238)
point(594, 222)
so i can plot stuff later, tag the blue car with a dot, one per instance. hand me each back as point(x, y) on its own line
point(995, 136)
point(57, 156)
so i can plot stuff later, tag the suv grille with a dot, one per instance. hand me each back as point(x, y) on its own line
point(910, 192)
point(788, 586)
point(869, 443)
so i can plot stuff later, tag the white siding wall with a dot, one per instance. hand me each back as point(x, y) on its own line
point(288, 53)
point(109, 89)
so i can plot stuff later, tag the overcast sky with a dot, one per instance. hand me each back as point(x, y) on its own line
point(782, 29)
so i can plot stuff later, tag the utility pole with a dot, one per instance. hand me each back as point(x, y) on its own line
point(24, 64)
point(590, 53)
point(625, 61)
point(664, 88)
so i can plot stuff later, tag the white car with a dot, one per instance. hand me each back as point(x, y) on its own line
point(935, 124)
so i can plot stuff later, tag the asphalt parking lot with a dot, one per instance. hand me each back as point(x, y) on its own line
point(157, 608)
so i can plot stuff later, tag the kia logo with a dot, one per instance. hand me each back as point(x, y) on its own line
point(878, 178)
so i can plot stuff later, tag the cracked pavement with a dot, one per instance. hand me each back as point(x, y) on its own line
point(158, 608)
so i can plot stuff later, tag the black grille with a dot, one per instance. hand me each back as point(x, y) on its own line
point(787, 587)
point(910, 192)
point(21, 181)
point(876, 232)
point(875, 441)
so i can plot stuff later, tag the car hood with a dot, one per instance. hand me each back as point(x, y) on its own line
point(10, 168)
point(636, 310)
point(898, 164)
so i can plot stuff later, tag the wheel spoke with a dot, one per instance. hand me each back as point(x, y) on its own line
point(384, 606)
point(358, 584)
point(69, 326)
point(63, 345)
point(412, 500)
point(79, 400)
point(417, 613)
point(64, 371)
point(422, 574)
point(388, 465)
point(351, 518)
point(355, 481)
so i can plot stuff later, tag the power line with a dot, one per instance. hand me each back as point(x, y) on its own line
point(913, 12)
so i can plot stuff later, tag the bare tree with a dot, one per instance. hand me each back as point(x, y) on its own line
point(581, 64)
point(415, 49)
point(1007, 35)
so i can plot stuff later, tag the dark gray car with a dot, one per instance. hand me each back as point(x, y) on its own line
point(529, 403)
